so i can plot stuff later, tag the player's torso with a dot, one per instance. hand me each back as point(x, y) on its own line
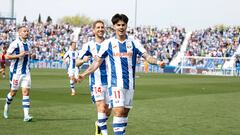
point(21, 65)
point(93, 49)
point(98, 77)
point(121, 63)
point(122, 54)
point(73, 55)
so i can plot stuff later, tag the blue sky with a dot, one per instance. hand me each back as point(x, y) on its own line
point(192, 14)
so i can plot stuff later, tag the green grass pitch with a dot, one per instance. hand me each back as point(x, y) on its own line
point(164, 104)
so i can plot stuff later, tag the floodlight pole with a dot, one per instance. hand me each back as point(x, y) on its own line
point(135, 21)
point(12, 9)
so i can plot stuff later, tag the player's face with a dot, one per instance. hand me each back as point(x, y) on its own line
point(73, 46)
point(120, 28)
point(23, 33)
point(99, 30)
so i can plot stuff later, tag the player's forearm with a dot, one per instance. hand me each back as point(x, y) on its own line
point(150, 59)
point(79, 63)
point(82, 61)
point(10, 57)
point(89, 70)
point(93, 67)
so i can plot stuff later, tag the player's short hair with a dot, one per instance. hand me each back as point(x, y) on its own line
point(119, 17)
point(73, 42)
point(95, 23)
point(20, 27)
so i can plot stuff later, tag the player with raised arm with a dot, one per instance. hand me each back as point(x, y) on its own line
point(98, 79)
point(19, 54)
point(121, 53)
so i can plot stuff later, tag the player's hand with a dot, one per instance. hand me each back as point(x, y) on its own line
point(86, 58)
point(81, 61)
point(161, 64)
point(23, 53)
point(80, 78)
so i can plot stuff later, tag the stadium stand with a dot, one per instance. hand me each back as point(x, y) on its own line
point(51, 41)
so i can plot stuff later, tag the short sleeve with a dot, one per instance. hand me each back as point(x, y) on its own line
point(11, 48)
point(139, 48)
point(84, 51)
point(103, 50)
point(66, 55)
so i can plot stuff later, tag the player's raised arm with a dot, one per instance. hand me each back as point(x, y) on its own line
point(152, 60)
point(91, 68)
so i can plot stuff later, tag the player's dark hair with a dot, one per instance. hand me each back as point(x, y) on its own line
point(119, 17)
point(95, 23)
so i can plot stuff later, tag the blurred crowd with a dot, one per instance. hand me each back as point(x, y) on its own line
point(50, 41)
point(163, 44)
point(214, 42)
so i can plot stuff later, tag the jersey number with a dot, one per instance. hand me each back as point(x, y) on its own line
point(98, 89)
point(117, 94)
point(15, 82)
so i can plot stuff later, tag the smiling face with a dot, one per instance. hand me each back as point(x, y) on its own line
point(120, 29)
point(98, 29)
point(119, 22)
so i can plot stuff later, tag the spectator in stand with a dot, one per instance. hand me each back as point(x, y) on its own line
point(214, 42)
point(51, 39)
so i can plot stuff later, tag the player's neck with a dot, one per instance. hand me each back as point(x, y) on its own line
point(99, 39)
point(23, 40)
point(121, 38)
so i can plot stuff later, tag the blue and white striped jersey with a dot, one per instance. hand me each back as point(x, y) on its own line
point(99, 77)
point(20, 65)
point(72, 55)
point(122, 58)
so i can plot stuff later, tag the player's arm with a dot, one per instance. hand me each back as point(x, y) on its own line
point(12, 56)
point(152, 60)
point(79, 62)
point(98, 61)
point(66, 57)
point(11, 52)
point(65, 61)
point(84, 55)
point(142, 52)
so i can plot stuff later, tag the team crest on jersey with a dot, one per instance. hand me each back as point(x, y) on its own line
point(129, 45)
